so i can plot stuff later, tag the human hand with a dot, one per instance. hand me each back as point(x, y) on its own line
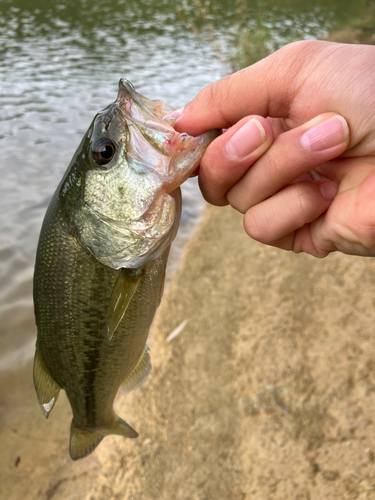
point(287, 160)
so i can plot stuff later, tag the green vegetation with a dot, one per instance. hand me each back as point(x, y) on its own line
point(248, 39)
point(360, 29)
point(366, 23)
point(253, 30)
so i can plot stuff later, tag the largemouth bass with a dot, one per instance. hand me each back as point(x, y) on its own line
point(101, 261)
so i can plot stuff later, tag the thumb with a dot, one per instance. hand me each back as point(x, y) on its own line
point(266, 88)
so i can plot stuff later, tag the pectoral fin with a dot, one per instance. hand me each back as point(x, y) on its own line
point(47, 390)
point(123, 291)
point(139, 374)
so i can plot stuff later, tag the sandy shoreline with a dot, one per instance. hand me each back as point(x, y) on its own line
point(268, 392)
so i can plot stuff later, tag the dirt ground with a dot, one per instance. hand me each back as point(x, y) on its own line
point(267, 393)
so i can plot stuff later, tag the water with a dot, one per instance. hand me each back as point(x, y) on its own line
point(59, 64)
point(56, 74)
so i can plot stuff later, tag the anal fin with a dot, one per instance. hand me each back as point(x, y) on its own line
point(139, 374)
point(47, 390)
point(123, 291)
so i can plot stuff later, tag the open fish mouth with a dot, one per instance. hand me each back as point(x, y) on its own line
point(128, 96)
point(129, 210)
point(153, 142)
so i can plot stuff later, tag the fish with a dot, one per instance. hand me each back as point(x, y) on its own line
point(101, 260)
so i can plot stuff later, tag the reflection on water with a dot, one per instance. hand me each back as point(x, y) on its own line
point(59, 64)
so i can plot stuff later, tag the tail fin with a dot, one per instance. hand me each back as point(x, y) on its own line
point(84, 442)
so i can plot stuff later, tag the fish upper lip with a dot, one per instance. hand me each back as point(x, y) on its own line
point(132, 93)
point(128, 87)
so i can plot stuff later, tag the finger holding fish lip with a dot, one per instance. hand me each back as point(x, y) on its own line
point(229, 157)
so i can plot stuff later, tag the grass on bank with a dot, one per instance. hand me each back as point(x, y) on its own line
point(250, 37)
point(359, 30)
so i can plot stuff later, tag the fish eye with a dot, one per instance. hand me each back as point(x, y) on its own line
point(103, 151)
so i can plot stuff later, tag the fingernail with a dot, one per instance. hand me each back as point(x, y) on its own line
point(175, 114)
point(329, 189)
point(325, 135)
point(247, 139)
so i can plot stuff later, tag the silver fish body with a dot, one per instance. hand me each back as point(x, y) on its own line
point(101, 261)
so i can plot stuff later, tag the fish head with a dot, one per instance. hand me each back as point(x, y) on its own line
point(131, 164)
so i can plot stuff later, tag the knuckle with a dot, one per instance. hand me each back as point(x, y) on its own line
point(256, 226)
point(237, 200)
point(365, 235)
point(299, 203)
point(214, 95)
point(211, 190)
point(298, 198)
point(361, 220)
point(273, 167)
point(302, 49)
point(210, 95)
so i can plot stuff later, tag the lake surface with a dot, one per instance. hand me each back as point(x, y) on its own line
point(60, 63)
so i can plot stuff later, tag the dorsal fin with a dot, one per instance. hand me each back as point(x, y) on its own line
point(123, 291)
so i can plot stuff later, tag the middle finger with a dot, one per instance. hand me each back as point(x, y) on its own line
point(291, 155)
